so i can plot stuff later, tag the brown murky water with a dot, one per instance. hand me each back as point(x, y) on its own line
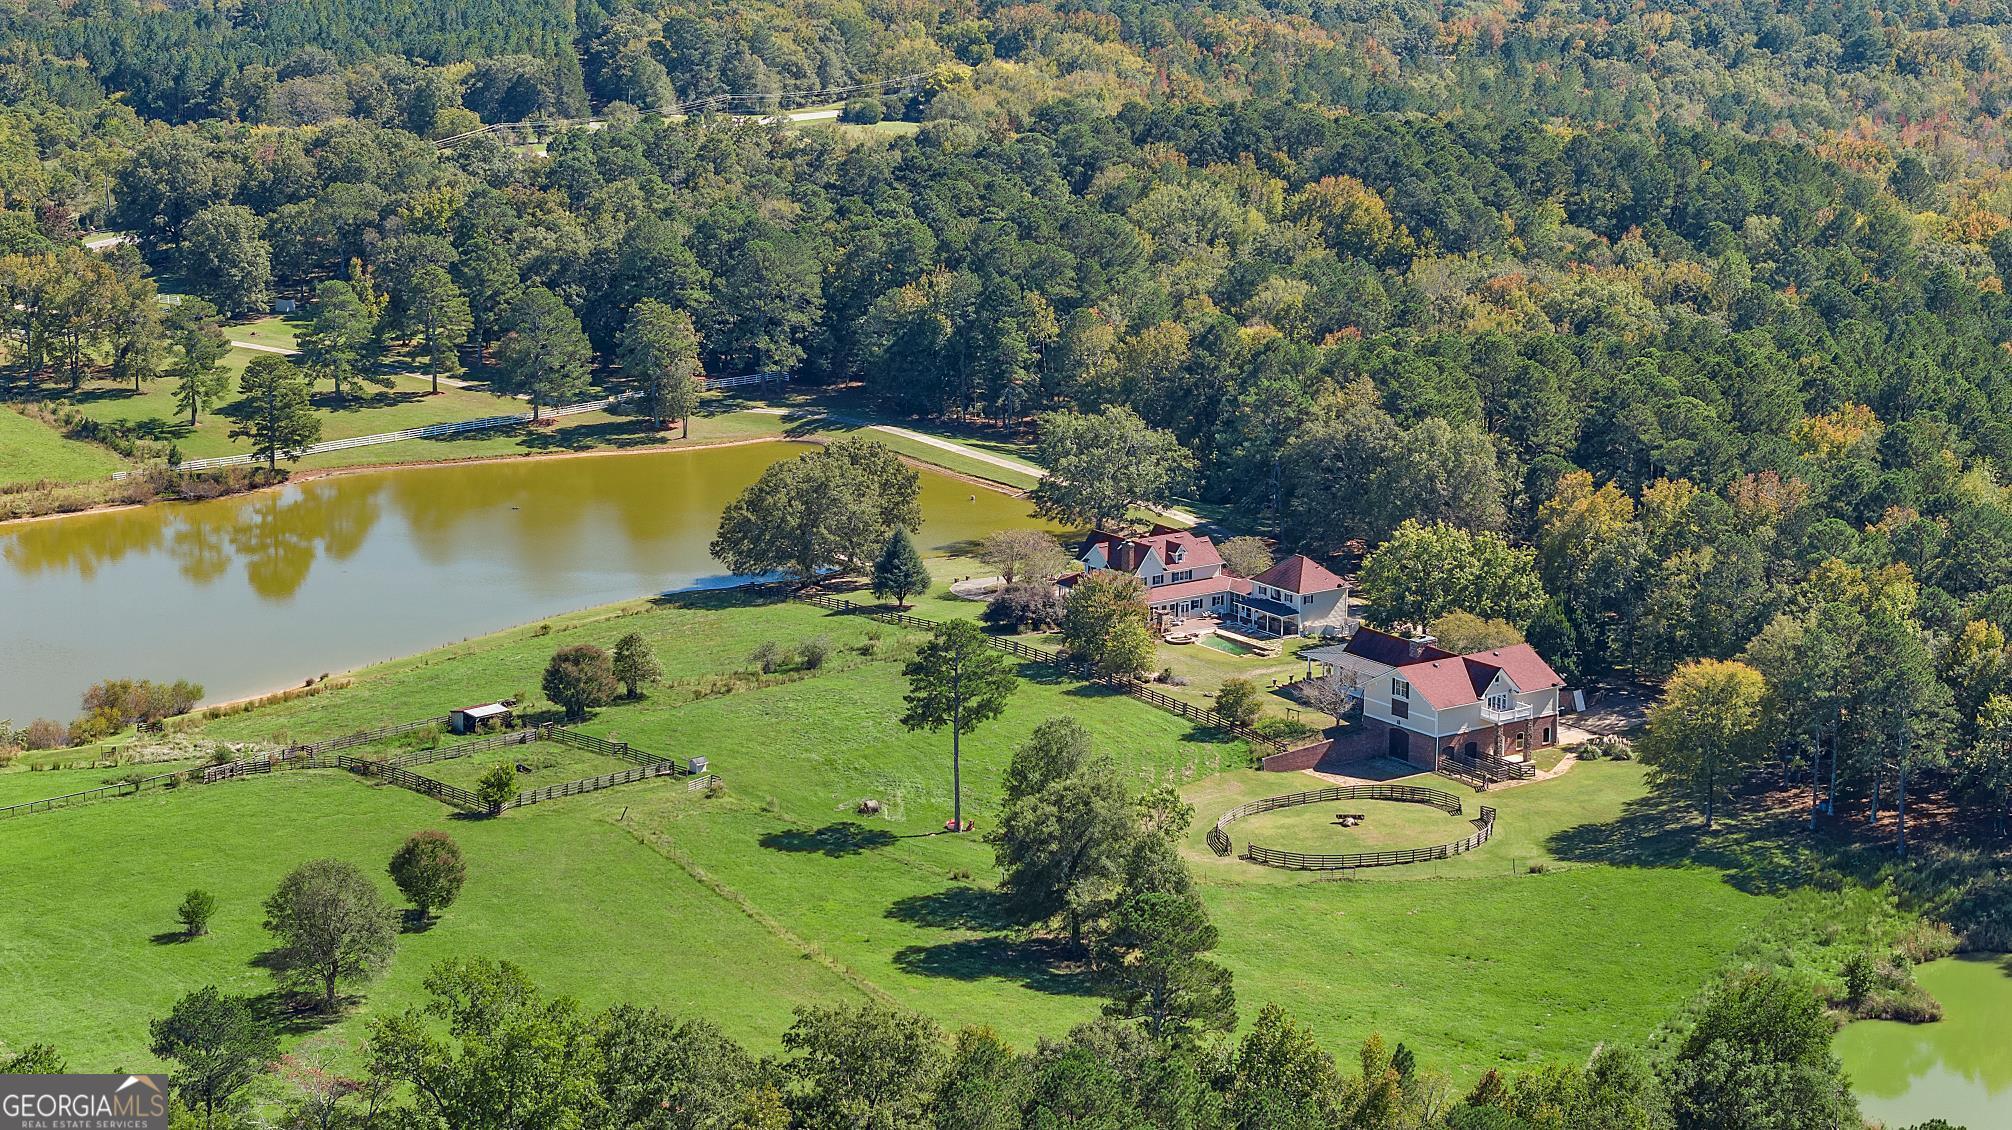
point(262, 591)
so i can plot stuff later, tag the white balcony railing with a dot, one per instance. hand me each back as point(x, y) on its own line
point(1506, 712)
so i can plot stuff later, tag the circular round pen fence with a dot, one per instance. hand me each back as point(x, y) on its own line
point(1219, 840)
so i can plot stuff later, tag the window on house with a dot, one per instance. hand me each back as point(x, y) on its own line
point(1400, 708)
point(1159, 579)
point(1499, 702)
point(1400, 689)
point(1306, 600)
point(1547, 733)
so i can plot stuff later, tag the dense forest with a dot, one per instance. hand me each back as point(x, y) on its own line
point(1561, 277)
point(1705, 305)
point(1680, 330)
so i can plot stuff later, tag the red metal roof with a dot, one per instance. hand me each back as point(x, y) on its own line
point(1299, 573)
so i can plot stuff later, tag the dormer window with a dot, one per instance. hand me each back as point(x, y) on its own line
point(1177, 553)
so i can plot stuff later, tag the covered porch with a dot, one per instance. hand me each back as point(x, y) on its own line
point(1270, 617)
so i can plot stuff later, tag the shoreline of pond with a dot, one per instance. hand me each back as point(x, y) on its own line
point(452, 552)
point(1906, 1073)
point(315, 474)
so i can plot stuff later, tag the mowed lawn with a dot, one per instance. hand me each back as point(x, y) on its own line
point(31, 451)
point(783, 891)
point(87, 956)
point(367, 411)
point(1474, 961)
point(409, 402)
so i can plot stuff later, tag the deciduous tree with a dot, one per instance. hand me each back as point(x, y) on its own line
point(1245, 556)
point(225, 252)
point(863, 1066)
point(330, 925)
point(635, 663)
point(429, 871)
point(1023, 553)
point(1238, 702)
point(1706, 729)
point(489, 1050)
point(1063, 826)
point(1104, 623)
point(1100, 465)
point(830, 511)
point(579, 678)
point(1426, 571)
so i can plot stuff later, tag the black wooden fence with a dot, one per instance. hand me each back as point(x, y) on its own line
point(425, 786)
point(1299, 861)
point(1219, 840)
point(1484, 768)
point(596, 784)
point(395, 770)
point(463, 749)
point(102, 792)
point(363, 737)
point(1130, 686)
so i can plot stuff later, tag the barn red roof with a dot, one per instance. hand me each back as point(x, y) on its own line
point(1299, 573)
point(1462, 679)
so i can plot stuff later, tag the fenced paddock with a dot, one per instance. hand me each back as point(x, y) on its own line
point(1218, 838)
point(398, 771)
point(1137, 689)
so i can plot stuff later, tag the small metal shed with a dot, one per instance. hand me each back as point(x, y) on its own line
point(469, 719)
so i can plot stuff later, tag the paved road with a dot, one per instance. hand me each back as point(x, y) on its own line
point(966, 450)
point(255, 347)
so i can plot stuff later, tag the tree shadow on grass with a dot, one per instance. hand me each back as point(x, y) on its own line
point(295, 1014)
point(171, 938)
point(624, 432)
point(956, 908)
point(847, 837)
point(354, 401)
point(1757, 853)
point(720, 599)
point(411, 921)
point(1042, 964)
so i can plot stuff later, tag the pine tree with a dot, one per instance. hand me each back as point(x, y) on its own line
point(660, 353)
point(280, 420)
point(900, 572)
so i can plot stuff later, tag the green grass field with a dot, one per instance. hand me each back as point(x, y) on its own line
point(1387, 826)
point(31, 451)
point(781, 892)
point(536, 765)
point(407, 404)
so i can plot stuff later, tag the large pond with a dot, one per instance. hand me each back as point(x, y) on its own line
point(1958, 1069)
point(261, 591)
